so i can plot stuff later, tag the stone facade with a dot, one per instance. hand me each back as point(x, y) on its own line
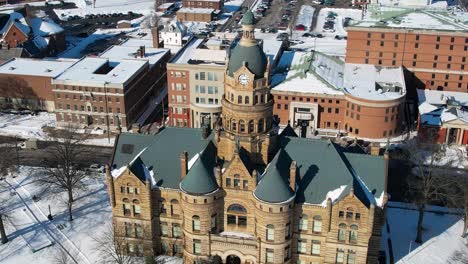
point(230, 223)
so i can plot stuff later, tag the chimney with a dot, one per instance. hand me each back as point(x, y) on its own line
point(183, 164)
point(292, 176)
point(155, 33)
point(142, 51)
point(110, 185)
point(254, 176)
point(375, 149)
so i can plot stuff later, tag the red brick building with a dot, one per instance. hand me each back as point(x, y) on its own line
point(112, 90)
point(26, 83)
point(214, 4)
point(434, 50)
point(196, 14)
point(332, 98)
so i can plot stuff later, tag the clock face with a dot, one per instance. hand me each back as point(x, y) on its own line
point(243, 79)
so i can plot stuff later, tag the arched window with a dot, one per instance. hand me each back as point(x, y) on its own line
point(262, 98)
point(236, 215)
point(270, 235)
point(353, 233)
point(127, 208)
point(317, 227)
point(247, 100)
point(237, 208)
point(239, 99)
point(242, 126)
point(251, 126)
point(232, 98)
point(255, 99)
point(135, 201)
point(233, 125)
point(174, 207)
point(303, 223)
point(260, 125)
point(195, 223)
point(342, 232)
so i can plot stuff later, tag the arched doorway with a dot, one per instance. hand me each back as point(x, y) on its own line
point(233, 259)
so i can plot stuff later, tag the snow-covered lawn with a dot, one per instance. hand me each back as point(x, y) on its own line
point(305, 16)
point(441, 235)
point(355, 14)
point(107, 7)
point(91, 214)
point(31, 127)
point(25, 126)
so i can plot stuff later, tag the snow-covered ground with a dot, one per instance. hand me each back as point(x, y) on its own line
point(441, 235)
point(355, 14)
point(305, 16)
point(25, 126)
point(92, 215)
point(29, 127)
point(85, 7)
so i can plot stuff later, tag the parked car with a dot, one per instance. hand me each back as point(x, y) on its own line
point(96, 168)
point(296, 42)
point(340, 37)
point(282, 36)
point(300, 27)
point(312, 35)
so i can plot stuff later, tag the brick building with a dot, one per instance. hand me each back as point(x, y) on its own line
point(228, 205)
point(195, 79)
point(214, 4)
point(111, 90)
point(26, 83)
point(432, 45)
point(196, 14)
point(332, 97)
point(443, 117)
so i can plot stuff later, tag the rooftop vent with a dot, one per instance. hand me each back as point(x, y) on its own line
point(48, 70)
point(12, 68)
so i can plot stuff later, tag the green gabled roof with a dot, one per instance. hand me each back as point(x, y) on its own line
point(322, 167)
point(200, 178)
point(162, 153)
point(274, 184)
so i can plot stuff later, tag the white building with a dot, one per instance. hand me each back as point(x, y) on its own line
point(174, 34)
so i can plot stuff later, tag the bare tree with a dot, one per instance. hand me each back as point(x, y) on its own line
point(7, 166)
point(62, 165)
point(457, 196)
point(62, 257)
point(112, 249)
point(428, 181)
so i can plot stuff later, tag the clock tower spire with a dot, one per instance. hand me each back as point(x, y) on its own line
point(247, 103)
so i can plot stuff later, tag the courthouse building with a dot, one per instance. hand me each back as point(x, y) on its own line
point(242, 193)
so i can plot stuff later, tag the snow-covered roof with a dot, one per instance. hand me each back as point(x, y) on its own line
point(44, 27)
point(119, 53)
point(207, 55)
point(175, 26)
point(187, 53)
point(85, 72)
point(196, 10)
point(438, 98)
point(374, 82)
point(165, 5)
point(36, 67)
point(272, 48)
point(294, 74)
point(404, 18)
point(15, 18)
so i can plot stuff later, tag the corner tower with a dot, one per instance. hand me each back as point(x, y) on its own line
point(247, 103)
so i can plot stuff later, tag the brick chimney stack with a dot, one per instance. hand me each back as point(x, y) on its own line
point(183, 164)
point(155, 33)
point(292, 176)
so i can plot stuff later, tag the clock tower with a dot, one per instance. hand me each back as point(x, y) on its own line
point(247, 103)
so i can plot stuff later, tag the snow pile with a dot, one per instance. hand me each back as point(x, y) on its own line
point(305, 16)
point(333, 195)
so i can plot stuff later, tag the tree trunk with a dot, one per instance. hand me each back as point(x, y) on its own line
point(2, 231)
point(465, 222)
point(70, 204)
point(420, 224)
